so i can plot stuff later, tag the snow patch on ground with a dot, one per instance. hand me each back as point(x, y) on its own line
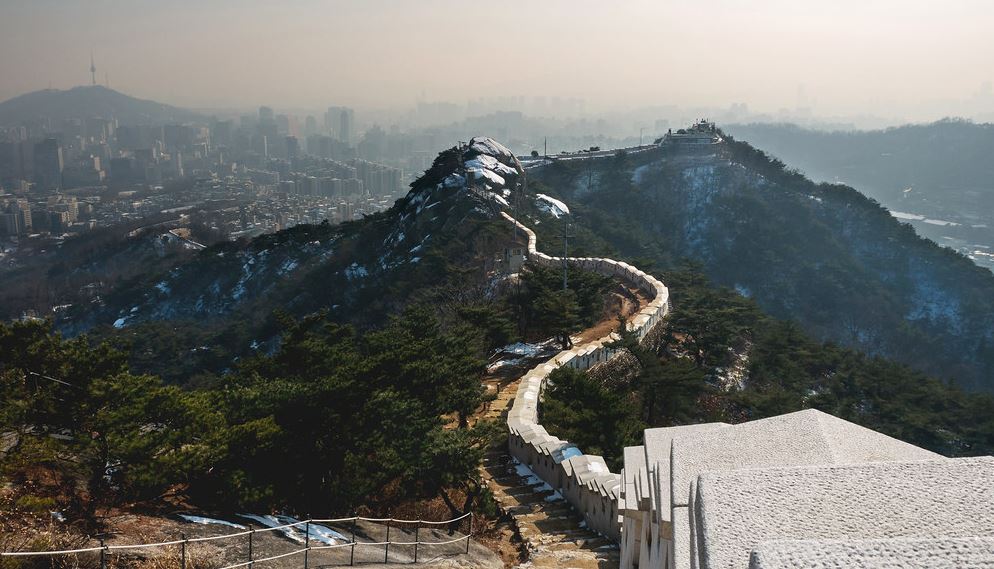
point(454, 181)
point(639, 173)
point(296, 532)
point(288, 266)
point(523, 349)
point(356, 271)
point(488, 174)
point(551, 205)
point(531, 479)
point(272, 522)
point(317, 532)
point(206, 521)
point(519, 352)
point(485, 162)
point(489, 146)
point(499, 199)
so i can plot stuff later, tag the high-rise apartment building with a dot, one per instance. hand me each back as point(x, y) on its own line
point(346, 128)
point(48, 164)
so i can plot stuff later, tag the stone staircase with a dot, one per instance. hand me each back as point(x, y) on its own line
point(553, 533)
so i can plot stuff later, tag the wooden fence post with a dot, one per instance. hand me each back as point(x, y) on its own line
point(307, 541)
point(355, 519)
point(417, 540)
point(386, 553)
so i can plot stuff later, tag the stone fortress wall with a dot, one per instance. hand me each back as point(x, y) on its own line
point(804, 489)
point(818, 490)
point(583, 480)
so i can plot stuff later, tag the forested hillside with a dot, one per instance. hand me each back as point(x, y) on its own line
point(433, 247)
point(821, 254)
point(937, 177)
point(724, 360)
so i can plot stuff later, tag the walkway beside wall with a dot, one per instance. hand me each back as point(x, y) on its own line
point(551, 530)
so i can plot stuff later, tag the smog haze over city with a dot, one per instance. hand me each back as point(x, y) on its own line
point(866, 62)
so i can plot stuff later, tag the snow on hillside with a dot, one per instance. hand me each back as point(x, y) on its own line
point(472, 180)
point(551, 205)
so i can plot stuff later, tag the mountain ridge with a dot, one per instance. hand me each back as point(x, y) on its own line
point(440, 237)
point(90, 101)
point(820, 254)
point(823, 255)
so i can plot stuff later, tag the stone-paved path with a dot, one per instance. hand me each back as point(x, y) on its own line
point(553, 533)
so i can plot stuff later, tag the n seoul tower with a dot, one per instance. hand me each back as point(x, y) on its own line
point(93, 71)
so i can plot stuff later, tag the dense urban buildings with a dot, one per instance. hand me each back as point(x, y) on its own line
point(257, 174)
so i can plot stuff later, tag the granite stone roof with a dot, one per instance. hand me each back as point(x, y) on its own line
point(736, 511)
point(657, 458)
point(934, 553)
point(807, 437)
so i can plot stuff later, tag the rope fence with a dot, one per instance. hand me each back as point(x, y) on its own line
point(352, 543)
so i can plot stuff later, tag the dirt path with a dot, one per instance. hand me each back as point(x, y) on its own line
point(624, 302)
point(553, 534)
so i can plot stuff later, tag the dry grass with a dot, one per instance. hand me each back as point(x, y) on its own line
point(27, 538)
point(26, 526)
point(198, 556)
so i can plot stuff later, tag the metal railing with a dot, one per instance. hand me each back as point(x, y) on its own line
point(183, 542)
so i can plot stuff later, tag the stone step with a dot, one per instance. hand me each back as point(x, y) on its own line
point(517, 491)
point(520, 510)
point(569, 535)
point(543, 515)
point(502, 476)
point(591, 544)
point(552, 525)
point(496, 460)
point(557, 510)
point(512, 501)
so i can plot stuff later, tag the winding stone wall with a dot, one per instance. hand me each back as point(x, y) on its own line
point(583, 480)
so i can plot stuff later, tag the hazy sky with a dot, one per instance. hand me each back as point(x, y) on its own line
point(912, 58)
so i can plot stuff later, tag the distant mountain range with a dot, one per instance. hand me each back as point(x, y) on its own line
point(946, 161)
point(90, 101)
point(939, 177)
